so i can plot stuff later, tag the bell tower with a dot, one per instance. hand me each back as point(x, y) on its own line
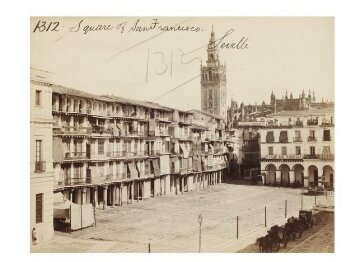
point(213, 81)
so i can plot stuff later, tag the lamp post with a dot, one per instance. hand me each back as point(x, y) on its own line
point(200, 220)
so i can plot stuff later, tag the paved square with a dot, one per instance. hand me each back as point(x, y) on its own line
point(170, 223)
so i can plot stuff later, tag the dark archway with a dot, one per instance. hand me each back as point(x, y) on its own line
point(284, 174)
point(270, 174)
point(313, 175)
point(299, 174)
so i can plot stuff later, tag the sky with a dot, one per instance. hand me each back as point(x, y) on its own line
point(289, 53)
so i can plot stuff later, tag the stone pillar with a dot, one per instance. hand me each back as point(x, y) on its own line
point(96, 195)
point(291, 177)
point(177, 186)
point(113, 195)
point(105, 188)
point(278, 177)
point(71, 195)
point(143, 190)
point(132, 191)
point(83, 195)
point(183, 184)
point(306, 179)
point(121, 194)
point(138, 190)
point(117, 195)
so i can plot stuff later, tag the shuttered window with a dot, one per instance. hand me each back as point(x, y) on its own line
point(269, 137)
point(283, 137)
point(39, 208)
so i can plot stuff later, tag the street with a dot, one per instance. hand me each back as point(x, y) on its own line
point(170, 223)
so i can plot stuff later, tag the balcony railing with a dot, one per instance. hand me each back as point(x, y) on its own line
point(70, 181)
point(40, 166)
point(70, 155)
point(311, 138)
point(312, 122)
point(297, 139)
point(76, 130)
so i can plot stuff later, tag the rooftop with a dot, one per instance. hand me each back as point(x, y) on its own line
point(304, 113)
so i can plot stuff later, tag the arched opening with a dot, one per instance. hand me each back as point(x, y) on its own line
point(299, 175)
point(313, 176)
point(328, 175)
point(284, 174)
point(270, 174)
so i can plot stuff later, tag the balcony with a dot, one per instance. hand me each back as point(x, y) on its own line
point(297, 139)
point(76, 130)
point(76, 155)
point(311, 139)
point(312, 122)
point(71, 181)
point(299, 123)
point(312, 156)
point(326, 123)
point(40, 166)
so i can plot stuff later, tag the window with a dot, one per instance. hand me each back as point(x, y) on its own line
point(270, 150)
point(38, 150)
point(312, 133)
point(38, 97)
point(326, 135)
point(283, 137)
point(39, 208)
point(284, 150)
point(297, 150)
point(269, 137)
point(312, 150)
point(100, 147)
point(39, 164)
point(297, 134)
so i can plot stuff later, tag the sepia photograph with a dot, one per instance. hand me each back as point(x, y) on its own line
point(193, 134)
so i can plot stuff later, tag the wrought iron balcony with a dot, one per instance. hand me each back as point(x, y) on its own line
point(74, 155)
point(312, 122)
point(70, 181)
point(311, 138)
point(40, 166)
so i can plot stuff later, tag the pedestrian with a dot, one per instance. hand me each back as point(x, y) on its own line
point(34, 237)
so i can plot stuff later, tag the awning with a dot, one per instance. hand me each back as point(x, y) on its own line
point(184, 150)
point(156, 167)
point(133, 171)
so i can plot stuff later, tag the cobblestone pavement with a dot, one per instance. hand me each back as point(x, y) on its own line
point(170, 223)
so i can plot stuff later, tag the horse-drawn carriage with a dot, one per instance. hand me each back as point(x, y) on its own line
point(278, 235)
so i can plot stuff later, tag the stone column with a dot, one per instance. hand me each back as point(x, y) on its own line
point(117, 195)
point(113, 195)
point(105, 188)
point(278, 177)
point(183, 184)
point(132, 191)
point(71, 195)
point(138, 190)
point(96, 195)
point(143, 190)
point(121, 194)
point(291, 177)
point(306, 179)
point(83, 196)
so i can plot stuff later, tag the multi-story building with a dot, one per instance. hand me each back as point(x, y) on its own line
point(41, 173)
point(110, 150)
point(297, 148)
point(249, 148)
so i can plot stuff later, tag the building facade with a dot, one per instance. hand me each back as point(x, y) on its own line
point(213, 82)
point(112, 151)
point(41, 172)
point(297, 148)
